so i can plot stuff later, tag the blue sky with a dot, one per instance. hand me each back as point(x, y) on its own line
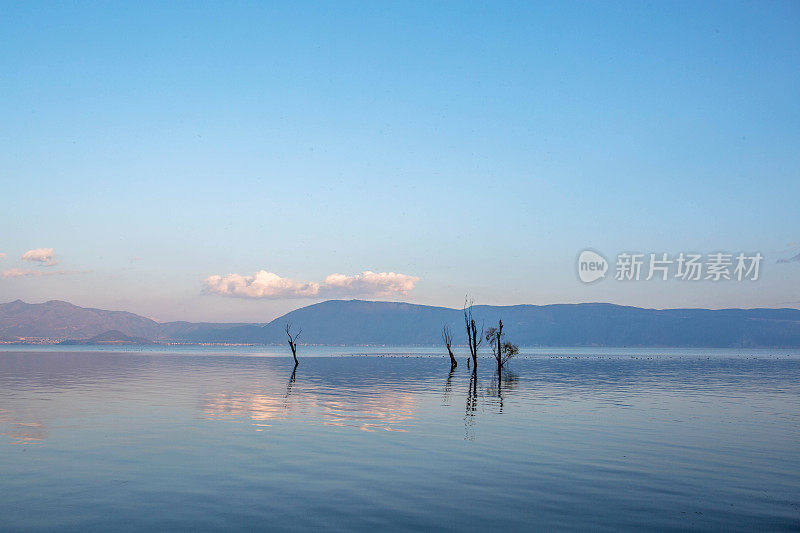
point(478, 147)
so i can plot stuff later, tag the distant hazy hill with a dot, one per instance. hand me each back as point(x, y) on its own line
point(112, 338)
point(62, 320)
point(361, 322)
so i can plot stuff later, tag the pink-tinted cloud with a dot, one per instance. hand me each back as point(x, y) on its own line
point(269, 285)
point(262, 284)
point(369, 283)
point(43, 256)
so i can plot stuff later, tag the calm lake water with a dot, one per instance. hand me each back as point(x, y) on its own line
point(229, 438)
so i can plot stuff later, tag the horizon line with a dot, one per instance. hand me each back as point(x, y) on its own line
point(19, 300)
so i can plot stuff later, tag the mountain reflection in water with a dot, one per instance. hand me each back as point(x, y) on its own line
point(603, 440)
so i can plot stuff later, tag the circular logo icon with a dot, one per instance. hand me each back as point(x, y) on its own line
point(591, 266)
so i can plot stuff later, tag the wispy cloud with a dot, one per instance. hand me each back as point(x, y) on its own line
point(269, 285)
point(27, 272)
point(3, 256)
point(793, 259)
point(43, 256)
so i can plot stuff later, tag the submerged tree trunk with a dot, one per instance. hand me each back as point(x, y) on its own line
point(292, 341)
point(453, 362)
point(499, 347)
point(474, 344)
point(447, 337)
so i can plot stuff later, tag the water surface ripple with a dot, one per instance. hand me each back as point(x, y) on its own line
point(389, 438)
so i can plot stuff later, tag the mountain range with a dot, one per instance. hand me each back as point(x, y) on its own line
point(109, 338)
point(394, 323)
point(62, 320)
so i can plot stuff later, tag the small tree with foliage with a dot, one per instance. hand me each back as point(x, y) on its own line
point(502, 350)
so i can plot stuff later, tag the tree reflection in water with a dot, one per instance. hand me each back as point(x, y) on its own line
point(502, 383)
point(472, 405)
point(289, 387)
point(448, 387)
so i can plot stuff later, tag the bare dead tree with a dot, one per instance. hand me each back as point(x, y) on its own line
point(447, 337)
point(474, 339)
point(293, 340)
point(502, 350)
